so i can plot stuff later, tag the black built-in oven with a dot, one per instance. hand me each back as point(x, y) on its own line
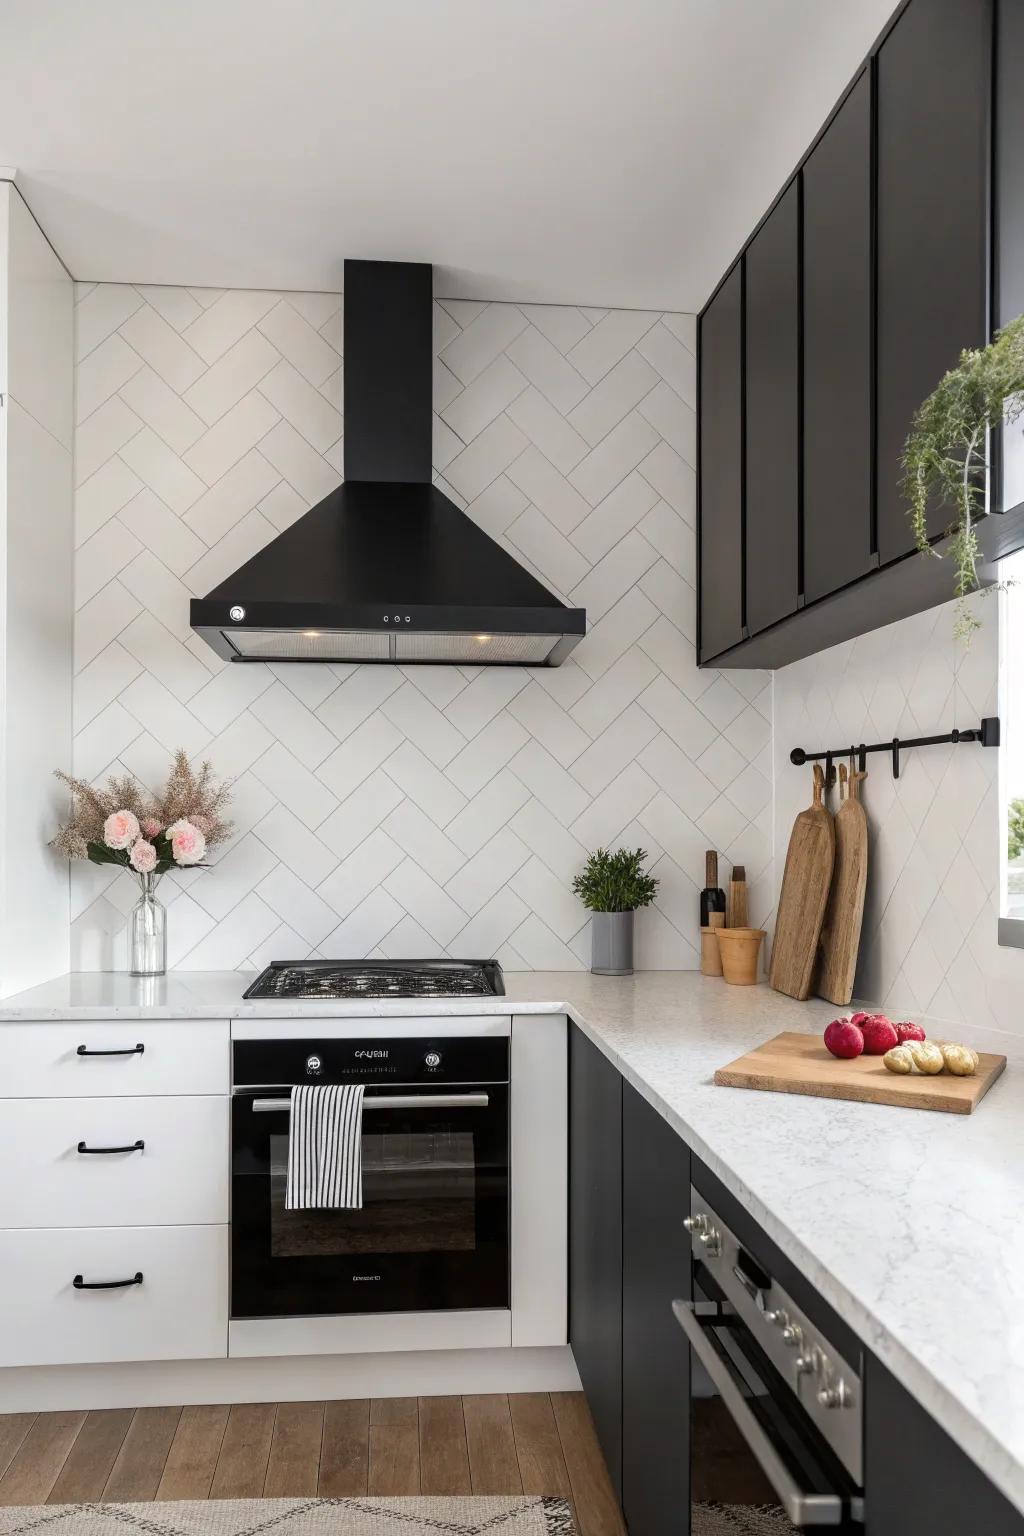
point(792, 1391)
point(433, 1230)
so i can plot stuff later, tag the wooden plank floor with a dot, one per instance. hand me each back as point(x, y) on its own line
point(533, 1442)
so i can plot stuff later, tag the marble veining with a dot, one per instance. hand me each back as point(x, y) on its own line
point(907, 1222)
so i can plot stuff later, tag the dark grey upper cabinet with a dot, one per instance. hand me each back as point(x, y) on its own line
point(772, 414)
point(934, 104)
point(595, 1240)
point(721, 468)
point(837, 349)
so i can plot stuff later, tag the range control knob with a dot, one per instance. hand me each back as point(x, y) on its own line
point(793, 1335)
point(804, 1365)
point(779, 1316)
point(696, 1224)
point(432, 1059)
point(835, 1394)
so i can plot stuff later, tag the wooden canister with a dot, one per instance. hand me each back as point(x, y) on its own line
point(739, 949)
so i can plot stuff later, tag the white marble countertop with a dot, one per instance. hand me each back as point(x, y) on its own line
point(909, 1223)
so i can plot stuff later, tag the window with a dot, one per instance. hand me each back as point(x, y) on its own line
point(1011, 771)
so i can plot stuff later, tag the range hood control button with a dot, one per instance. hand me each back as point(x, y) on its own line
point(237, 613)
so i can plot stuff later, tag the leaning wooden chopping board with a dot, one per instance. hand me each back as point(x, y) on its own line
point(844, 914)
point(793, 1063)
point(804, 894)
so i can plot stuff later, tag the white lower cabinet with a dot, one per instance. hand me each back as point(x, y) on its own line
point(68, 1173)
point(77, 1060)
point(178, 1311)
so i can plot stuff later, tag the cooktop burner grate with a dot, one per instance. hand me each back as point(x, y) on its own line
point(323, 981)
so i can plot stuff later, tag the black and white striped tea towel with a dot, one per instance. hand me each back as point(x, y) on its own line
point(325, 1148)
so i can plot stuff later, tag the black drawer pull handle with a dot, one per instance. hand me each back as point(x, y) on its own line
point(106, 1285)
point(130, 1050)
point(136, 1146)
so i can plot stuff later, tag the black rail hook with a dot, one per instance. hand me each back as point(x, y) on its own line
point(987, 734)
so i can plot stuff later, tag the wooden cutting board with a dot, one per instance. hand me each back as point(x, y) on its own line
point(804, 894)
point(793, 1063)
point(844, 914)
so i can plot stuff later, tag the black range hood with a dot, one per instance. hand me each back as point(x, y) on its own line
point(387, 568)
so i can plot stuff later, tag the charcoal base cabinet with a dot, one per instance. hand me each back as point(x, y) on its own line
point(595, 1240)
point(917, 1481)
point(655, 1357)
point(629, 1188)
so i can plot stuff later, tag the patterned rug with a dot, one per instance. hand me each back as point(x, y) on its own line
point(352, 1517)
point(297, 1517)
point(739, 1520)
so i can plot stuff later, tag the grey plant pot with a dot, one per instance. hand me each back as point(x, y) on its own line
point(611, 939)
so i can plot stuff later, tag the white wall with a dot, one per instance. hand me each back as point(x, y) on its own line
point(35, 602)
point(429, 809)
point(929, 942)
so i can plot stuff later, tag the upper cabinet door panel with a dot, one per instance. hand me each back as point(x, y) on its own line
point(772, 358)
point(934, 97)
point(837, 349)
point(721, 469)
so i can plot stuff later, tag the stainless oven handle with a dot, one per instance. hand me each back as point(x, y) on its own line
point(802, 1508)
point(390, 1101)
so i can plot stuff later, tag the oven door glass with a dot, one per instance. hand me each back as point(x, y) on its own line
point(432, 1233)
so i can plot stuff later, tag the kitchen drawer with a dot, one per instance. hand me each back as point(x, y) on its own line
point(180, 1176)
point(43, 1061)
point(178, 1312)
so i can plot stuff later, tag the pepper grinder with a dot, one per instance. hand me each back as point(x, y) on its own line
point(712, 897)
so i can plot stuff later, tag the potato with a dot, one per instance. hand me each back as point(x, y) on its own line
point(926, 1055)
point(959, 1059)
point(898, 1059)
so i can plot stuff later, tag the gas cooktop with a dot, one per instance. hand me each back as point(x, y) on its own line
point(324, 980)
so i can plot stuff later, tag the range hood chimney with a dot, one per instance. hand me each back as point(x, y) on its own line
point(387, 568)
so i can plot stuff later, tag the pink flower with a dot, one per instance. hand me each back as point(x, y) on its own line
point(151, 827)
point(143, 857)
point(187, 843)
point(120, 830)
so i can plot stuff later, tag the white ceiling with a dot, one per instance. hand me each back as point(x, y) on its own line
point(606, 152)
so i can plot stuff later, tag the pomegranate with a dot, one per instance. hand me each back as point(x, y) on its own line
point(860, 1019)
point(843, 1038)
point(879, 1035)
point(908, 1031)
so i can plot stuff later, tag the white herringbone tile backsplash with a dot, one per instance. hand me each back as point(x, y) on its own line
point(929, 942)
point(422, 810)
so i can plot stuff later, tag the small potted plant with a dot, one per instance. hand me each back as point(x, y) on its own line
point(612, 887)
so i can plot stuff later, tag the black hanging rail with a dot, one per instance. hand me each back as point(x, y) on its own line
point(987, 734)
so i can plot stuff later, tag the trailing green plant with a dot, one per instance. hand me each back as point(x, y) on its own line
point(615, 882)
point(1015, 829)
point(945, 455)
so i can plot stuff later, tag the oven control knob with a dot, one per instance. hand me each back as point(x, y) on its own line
point(804, 1365)
point(835, 1394)
point(793, 1335)
point(711, 1242)
point(432, 1059)
point(696, 1224)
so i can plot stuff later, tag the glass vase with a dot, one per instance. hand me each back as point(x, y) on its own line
point(147, 931)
